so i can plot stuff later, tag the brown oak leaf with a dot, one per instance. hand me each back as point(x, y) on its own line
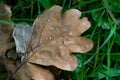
point(33, 72)
point(5, 35)
point(56, 36)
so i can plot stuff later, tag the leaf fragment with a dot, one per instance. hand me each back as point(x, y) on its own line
point(22, 35)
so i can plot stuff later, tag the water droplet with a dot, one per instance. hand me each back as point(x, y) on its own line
point(70, 33)
point(48, 20)
point(50, 37)
point(41, 79)
point(61, 47)
point(56, 29)
point(45, 59)
point(67, 67)
point(51, 28)
point(84, 23)
point(64, 30)
point(55, 42)
point(68, 42)
point(43, 34)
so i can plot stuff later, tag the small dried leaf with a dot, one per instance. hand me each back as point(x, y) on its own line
point(11, 54)
point(5, 12)
point(5, 29)
point(56, 36)
point(6, 42)
point(22, 34)
point(33, 72)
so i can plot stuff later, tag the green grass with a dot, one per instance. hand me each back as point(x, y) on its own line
point(103, 61)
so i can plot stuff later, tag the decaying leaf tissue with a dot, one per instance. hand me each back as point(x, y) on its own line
point(52, 39)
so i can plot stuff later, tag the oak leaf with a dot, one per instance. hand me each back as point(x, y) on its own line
point(6, 42)
point(56, 36)
point(5, 35)
point(5, 12)
point(33, 72)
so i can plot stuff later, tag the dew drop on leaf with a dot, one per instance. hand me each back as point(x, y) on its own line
point(70, 33)
point(51, 28)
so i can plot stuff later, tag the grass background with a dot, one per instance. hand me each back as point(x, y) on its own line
point(103, 61)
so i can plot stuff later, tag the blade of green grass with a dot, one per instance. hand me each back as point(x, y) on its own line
point(109, 11)
point(106, 74)
point(113, 29)
point(46, 3)
point(7, 22)
point(63, 4)
point(110, 44)
point(21, 6)
point(39, 11)
point(94, 10)
point(69, 3)
point(23, 19)
point(31, 11)
point(81, 4)
point(92, 34)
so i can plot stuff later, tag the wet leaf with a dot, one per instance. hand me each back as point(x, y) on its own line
point(56, 36)
point(5, 12)
point(5, 29)
point(5, 38)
